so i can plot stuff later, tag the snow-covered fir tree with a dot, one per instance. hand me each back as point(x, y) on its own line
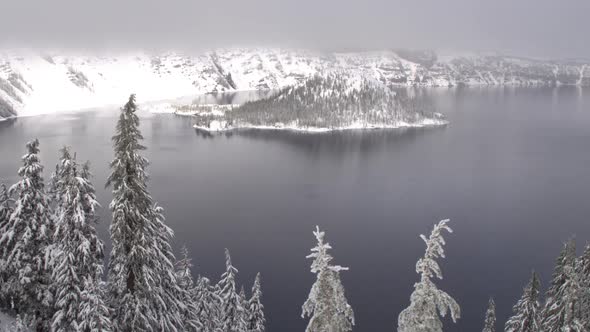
point(527, 310)
point(25, 240)
point(583, 270)
point(232, 311)
point(490, 320)
point(5, 212)
point(94, 313)
point(208, 305)
point(557, 301)
point(427, 302)
point(143, 287)
point(18, 325)
point(188, 292)
point(5, 206)
point(326, 304)
point(256, 319)
point(245, 306)
point(53, 181)
point(79, 252)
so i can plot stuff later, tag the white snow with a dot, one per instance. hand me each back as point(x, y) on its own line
point(55, 82)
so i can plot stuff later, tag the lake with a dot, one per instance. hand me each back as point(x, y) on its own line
point(511, 171)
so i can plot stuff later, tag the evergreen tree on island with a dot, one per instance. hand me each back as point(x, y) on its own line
point(25, 242)
point(527, 310)
point(143, 287)
point(427, 302)
point(78, 252)
point(326, 304)
point(256, 318)
point(490, 321)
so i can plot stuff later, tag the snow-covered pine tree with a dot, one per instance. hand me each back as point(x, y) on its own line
point(326, 304)
point(554, 312)
point(53, 181)
point(583, 270)
point(527, 310)
point(18, 325)
point(79, 252)
point(427, 302)
point(245, 306)
point(143, 287)
point(256, 318)
point(94, 313)
point(5, 212)
point(208, 306)
point(232, 312)
point(5, 207)
point(25, 241)
point(490, 320)
point(188, 292)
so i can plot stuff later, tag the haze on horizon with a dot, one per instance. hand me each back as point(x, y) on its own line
point(538, 28)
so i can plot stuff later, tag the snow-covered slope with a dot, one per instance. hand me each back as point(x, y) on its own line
point(45, 82)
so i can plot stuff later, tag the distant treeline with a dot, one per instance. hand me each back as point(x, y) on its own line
point(333, 101)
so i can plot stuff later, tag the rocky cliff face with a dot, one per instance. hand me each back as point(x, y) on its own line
point(34, 82)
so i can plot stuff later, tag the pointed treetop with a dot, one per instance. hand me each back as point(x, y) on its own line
point(427, 266)
point(321, 256)
point(490, 319)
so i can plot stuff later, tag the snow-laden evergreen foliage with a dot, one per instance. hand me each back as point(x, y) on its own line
point(25, 240)
point(256, 319)
point(208, 306)
point(557, 298)
point(78, 253)
point(5, 212)
point(142, 282)
point(490, 320)
point(232, 311)
point(5, 206)
point(94, 313)
point(527, 315)
point(583, 271)
point(19, 325)
point(334, 100)
point(326, 304)
point(427, 301)
point(245, 306)
point(188, 292)
point(52, 186)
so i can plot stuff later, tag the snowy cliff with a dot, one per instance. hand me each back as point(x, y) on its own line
point(45, 82)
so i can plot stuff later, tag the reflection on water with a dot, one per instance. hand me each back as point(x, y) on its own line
point(336, 142)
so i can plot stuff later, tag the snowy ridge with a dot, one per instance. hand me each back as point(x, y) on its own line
point(36, 82)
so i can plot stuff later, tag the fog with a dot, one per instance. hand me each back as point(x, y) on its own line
point(540, 28)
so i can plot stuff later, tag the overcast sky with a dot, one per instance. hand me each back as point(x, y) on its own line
point(542, 28)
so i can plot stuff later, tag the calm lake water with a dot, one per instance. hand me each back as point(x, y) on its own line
point(511, 171)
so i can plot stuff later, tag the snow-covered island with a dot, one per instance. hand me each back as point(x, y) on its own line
point(322, 103)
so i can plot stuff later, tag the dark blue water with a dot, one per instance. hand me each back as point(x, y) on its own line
point(511, 171)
